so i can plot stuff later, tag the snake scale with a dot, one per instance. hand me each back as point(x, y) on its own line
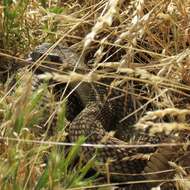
point(95, 111)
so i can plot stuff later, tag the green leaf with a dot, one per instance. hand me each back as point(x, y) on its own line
point(56, 10)
point(43, 181)
point(61, 117)
point(19, 122)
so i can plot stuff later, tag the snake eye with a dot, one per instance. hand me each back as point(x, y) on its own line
point(54, 58)
point(34, 56)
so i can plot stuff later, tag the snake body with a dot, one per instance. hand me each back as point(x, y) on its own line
point(98, 112)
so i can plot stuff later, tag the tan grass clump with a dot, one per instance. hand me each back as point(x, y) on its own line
point(153, 121)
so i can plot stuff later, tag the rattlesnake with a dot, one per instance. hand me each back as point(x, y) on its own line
point(98, 111)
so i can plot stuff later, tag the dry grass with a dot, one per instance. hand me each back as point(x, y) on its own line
point(143, 43)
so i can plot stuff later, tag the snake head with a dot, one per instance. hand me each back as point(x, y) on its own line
point(57, 58)
point(43, 49)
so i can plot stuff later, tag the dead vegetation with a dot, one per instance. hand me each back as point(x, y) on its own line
point(144, 43)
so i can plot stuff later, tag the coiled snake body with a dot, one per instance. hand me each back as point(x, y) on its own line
point(101, 110)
